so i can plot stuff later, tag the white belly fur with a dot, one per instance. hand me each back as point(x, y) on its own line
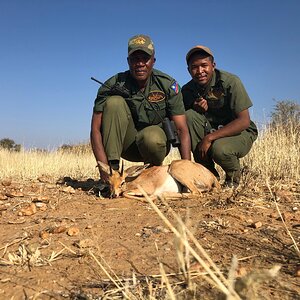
point(170, 185)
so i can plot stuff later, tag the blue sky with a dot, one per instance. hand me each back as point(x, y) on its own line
point(50, 49)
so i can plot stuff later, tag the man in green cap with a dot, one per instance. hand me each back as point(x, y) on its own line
point(217, 113)
point(130, 125)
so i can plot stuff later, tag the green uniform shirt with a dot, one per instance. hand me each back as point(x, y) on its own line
point(226, 97)
point(161, 98)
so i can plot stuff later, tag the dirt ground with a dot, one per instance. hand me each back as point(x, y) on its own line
point(54, 235)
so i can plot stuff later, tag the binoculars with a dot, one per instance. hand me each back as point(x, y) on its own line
point(171, 132)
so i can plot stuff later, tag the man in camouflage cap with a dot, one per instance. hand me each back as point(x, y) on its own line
point(130, 125)
point(218, 118)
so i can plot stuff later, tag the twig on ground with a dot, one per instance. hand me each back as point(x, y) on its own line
point(217, 280)
point(282, 219)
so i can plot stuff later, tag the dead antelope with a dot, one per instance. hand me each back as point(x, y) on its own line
point(178, 177)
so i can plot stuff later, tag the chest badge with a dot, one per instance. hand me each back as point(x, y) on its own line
point(156, 96)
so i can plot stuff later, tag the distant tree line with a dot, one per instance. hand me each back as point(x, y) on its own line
point(10, 145)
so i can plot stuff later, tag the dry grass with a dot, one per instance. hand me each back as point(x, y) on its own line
point(274, 156)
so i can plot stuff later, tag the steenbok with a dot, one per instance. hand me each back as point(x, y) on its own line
point(181, 176)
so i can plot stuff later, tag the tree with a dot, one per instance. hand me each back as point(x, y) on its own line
point(65, 148)
point(10, 145)
point(286, 114)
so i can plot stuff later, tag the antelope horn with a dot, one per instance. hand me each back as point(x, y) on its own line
point(122, 168)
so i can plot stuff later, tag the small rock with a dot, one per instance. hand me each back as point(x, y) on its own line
point(13, 194)
point(295, 208)
point(44, 179)
point(58, 229)
point(86, 243)
point(3, 197)
point(274, 215)
point(44, 235)
point(241, 272)
point(68, 189)
point(40, 198)
point(297, 273)
point(256, 224)
point(28, 211)
point(73, 231)
point(41, 206)
point(50, 186)
point(6, 182)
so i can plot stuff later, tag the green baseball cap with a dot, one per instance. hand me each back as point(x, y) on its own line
point(198, 48)
point(140, 42)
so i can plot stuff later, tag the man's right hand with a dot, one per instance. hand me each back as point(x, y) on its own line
point(104, 177)
point(200, 105)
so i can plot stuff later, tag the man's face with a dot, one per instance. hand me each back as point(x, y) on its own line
point(140, 65)
point(201, 68)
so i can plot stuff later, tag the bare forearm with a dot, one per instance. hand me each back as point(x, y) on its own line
point(233, 128)
point(185, 146)
point(97, 146)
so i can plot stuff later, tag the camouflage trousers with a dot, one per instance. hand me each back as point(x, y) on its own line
point(226, 151)
point(122, 139)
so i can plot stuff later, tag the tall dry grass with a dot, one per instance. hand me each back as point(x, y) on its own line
point(275, 156)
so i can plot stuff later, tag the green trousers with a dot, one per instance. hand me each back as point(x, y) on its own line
point(224, 151)
point(122, 139)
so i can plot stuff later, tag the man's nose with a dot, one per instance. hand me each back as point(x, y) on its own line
point(199, 70)
point(140, 62)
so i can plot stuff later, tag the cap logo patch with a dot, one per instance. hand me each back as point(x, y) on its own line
point(138, 41)
point(156, 96)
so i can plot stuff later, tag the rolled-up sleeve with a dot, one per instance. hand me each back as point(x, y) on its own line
point(175, 101)
point(102, 94)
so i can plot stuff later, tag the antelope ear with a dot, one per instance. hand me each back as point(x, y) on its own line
point(135, 171)
point(103, 167)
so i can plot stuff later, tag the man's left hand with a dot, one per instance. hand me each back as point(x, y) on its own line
point(204, 146)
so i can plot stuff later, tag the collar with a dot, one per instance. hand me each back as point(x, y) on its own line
point(135, 89)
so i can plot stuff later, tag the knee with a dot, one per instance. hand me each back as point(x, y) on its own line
point(194, 119)
point(153, 137)
point(114, 103)
point(221, 151)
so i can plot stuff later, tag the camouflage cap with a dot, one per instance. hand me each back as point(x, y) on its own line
point(140, 42)
point(198, 48)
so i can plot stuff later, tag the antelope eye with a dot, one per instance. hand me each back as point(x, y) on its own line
point(123, 183)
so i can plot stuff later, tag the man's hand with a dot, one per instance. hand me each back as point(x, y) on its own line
point(203, 147)
point(200, 105)
point(104, 177)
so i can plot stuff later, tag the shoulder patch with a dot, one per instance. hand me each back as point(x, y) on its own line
point(175, 87)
